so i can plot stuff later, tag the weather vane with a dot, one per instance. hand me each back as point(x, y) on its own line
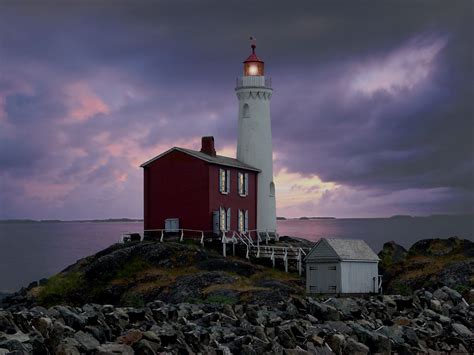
point(253, 43)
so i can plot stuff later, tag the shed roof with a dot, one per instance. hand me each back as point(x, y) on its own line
point(342, 250)
point(218, 159)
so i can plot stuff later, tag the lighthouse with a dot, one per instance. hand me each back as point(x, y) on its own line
point(254, 144)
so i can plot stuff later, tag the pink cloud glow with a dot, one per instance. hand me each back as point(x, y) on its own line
point(403, 68)
point(84, 103)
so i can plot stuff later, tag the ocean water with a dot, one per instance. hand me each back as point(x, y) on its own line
point(31, 251)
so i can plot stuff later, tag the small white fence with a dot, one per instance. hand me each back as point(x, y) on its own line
point(255, 242)
point(286, 253)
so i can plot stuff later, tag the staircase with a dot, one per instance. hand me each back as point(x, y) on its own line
point(260, 248)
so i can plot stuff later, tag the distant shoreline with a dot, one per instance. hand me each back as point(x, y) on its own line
point(280, 218)
point(33, 221)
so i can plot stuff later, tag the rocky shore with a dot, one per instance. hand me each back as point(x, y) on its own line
point(180, 298)
point(438, 322)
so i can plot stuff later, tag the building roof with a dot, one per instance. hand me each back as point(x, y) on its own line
point(342, 250)
point(218, 159)
point(253, 58)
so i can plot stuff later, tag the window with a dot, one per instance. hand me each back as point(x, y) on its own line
point(224, 181)
point(243, 181)
point(272, 189)
point(243, 221)
point(246, 111)
point(331, 268)
point(224, 219)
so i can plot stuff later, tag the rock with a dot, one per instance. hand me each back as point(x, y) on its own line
point(114, 348)
point(347, 306)
point(190, 287)
point(462, 330)
point(230, 265)
point(435, 305)
point(316, 340)
point(376, 342)
point(86, 341)
point(146, 347)
point(455, 296)
point(71, 319)
point(13, 346)
point(7, 324)
point(322, 311)
point(44, 325)
point(353, 347)
point(439, 294)
point(336, 342)
point(131, 337)
point(67, 349)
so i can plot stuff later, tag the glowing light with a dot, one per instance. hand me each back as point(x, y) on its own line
point(253, 70)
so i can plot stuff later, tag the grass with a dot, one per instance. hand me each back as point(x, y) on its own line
point(132, 299)
point(132, 268)
point(249, 284)
point(61, 288)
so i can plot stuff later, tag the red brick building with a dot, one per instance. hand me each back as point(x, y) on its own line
point(199, 190)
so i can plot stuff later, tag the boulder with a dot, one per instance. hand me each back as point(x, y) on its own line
point(462, 330)
point(351, 347)
point(113, 348)
point(66, 349)
point(336, 342)
point(86, 341)
point(322, 311)
point(377, 343)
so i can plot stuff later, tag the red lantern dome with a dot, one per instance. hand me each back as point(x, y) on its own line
point(253, 65)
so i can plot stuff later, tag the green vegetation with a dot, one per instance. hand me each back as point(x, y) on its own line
point(402, 288)
point(60, 288)
point(132, 299)
point(132, 268)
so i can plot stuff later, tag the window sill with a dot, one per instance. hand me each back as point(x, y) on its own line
point(224, 192)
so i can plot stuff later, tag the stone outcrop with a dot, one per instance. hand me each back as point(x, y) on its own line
point(429, 263)
point(439, 321)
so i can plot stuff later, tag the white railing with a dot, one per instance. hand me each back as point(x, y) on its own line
point(286, 253)
point(180, 231)
point(253, 81)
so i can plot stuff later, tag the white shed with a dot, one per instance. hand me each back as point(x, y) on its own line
point(342, 266)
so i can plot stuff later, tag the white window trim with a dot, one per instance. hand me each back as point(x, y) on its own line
point(241, 221)
point(228, 219)
point(224, 186)
point(243, 189)
point(246, 220)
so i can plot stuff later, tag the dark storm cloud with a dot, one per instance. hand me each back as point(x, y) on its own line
point(84, 83)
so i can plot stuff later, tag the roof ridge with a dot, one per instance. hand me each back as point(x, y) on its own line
point(232, 162)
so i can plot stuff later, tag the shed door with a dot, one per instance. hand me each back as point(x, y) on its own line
point(323, 278)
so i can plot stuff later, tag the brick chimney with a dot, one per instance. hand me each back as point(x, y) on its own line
point(207, 146)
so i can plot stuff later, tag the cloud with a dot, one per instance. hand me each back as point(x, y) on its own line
point(401, 70)
point(84, 103)
point(371, 112)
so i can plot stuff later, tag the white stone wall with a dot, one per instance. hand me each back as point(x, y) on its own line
point(254, 145)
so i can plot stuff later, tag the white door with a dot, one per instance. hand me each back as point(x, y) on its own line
point(323, 278)
point(215, 222)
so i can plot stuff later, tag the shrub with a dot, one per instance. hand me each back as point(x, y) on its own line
point(61, 288)
point(132, 299)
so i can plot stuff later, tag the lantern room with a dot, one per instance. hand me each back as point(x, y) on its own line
point(253, 65)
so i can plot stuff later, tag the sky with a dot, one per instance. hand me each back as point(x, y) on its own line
point(372, 110)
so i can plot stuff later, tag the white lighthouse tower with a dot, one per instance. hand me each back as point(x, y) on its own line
point(254, 145)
